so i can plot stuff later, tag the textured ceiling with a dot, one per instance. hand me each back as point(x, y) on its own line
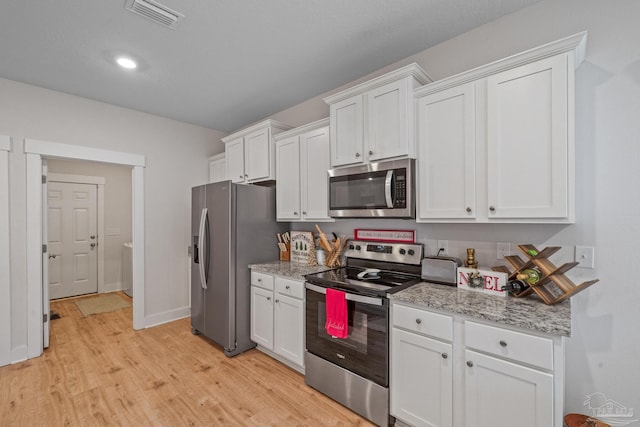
point(228, 63)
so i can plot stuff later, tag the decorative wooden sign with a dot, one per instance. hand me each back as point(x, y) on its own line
point(392, 236)
point(302, 247)
point(486, 281)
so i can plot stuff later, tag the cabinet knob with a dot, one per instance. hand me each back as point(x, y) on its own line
point(287, 287)
point(492, 209)
point(92, 237)
point(52, 256)
point(93, 245)
point(357, 154)
point(304, 213)
point(468, 210)
point(241, 176)
point(295, 213)
point(470, 363)
point(370, 152)
point(277, 300)
point(445, 355)
point(503, 343)
point(268, 298)
point(246, 176)
point(418, 321)
point(259, 280)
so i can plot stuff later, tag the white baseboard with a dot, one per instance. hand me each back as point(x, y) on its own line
point(166, 317)
point(111, 287)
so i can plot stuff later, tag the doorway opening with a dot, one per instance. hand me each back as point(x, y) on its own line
point(37, 286)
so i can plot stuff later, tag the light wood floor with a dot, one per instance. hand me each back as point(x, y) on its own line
point(98, 371)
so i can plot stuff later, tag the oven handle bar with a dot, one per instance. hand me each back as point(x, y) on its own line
point(350, 297)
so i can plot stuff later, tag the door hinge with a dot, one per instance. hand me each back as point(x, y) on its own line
point(44, 249)
point(44, 179)
point(45, 318)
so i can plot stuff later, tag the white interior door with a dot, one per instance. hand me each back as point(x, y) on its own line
point(72, 239)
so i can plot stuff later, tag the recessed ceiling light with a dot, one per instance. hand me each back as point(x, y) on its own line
point(127, 63)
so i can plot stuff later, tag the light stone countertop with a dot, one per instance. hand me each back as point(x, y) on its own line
point(528, 313)
point(287, 269)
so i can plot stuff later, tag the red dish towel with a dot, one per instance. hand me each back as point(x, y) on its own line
point(336, 311)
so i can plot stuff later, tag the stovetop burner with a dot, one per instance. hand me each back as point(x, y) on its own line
point(374, 268)
point(352, 278)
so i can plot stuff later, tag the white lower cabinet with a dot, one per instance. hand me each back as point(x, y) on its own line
point(421, 379)
point(451, 371)
point(277, 318)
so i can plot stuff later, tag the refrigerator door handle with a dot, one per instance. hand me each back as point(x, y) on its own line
point(202, 248)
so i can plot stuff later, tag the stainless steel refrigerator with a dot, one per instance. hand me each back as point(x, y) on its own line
point(232, 226)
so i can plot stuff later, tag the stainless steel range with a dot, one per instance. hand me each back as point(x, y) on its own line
point(355, 370)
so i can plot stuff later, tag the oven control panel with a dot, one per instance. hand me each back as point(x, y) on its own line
point(405, 253)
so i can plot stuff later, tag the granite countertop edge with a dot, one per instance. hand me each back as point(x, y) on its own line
point(287, 269)
point(527, 313)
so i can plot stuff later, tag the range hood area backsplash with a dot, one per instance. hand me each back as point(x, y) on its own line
point(482, 237)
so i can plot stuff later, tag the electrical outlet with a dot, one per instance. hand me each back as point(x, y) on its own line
point(503, 249)
point(442, 244)
point(585, 256)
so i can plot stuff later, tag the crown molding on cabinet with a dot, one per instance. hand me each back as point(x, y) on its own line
point(412, 70)
point(273, 124)
point(302, 129)
point(576, 43)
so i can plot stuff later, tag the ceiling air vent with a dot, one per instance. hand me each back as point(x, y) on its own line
point(155, 11)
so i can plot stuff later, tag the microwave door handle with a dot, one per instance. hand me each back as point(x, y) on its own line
point(387, 189)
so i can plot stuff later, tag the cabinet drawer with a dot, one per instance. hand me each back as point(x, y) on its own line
point(423, 322)
point(290, 287)
point(517, 346)
point(262, 280)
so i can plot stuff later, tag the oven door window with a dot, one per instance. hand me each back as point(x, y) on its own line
point(364, 351)
point(361, 191)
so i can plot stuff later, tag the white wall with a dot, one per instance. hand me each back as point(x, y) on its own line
point(605, 345)
point(176, 159)
point(117, 211)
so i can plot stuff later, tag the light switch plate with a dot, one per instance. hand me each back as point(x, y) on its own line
point(585, 256)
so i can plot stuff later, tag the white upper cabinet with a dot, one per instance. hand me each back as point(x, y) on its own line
point(374, 120)
point(496, 144)
point(218, 168)
point(528, 140)
point(250, 152)
point(447, 154)
point(302, 162)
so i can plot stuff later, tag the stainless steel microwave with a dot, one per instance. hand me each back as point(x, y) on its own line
point(382, 189)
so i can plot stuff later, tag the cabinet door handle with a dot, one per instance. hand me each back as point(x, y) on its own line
point(357, 154)
point(246, 176)
point(259, 280)
point(470, 363)
point(277, 300)
point(295, 213)
point(445, 355)
point(287, 287)
point(268, 298)
point(503, 343)
point(241, 177)
point(304, 213)
point(492, 209)
point(370, 152)
point(418, 321)
point(468, 210)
